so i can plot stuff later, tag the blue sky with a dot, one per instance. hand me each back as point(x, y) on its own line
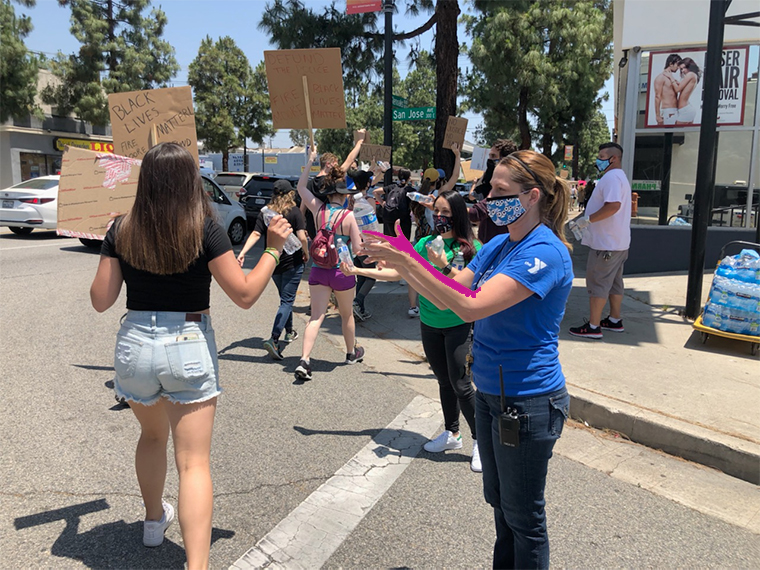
point(189, 21)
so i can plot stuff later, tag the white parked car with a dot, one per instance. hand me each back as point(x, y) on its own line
point(33, 204)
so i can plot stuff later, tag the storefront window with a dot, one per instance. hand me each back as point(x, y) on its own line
point(34, 165)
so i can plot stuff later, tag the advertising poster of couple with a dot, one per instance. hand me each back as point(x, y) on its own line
point(676, 81)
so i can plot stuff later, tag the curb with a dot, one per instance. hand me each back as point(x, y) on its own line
point(731, 455)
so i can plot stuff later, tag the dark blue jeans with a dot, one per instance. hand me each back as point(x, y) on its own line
point(287, 285)
point(514, 478)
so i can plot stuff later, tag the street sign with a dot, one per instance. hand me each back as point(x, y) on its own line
point(399, 102)
point(414, 114)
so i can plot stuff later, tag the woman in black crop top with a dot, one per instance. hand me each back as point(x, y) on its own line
point(166, 249)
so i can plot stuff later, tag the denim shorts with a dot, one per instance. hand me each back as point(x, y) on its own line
point(164, 354)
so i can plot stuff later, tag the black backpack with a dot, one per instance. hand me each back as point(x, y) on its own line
point(395, 198)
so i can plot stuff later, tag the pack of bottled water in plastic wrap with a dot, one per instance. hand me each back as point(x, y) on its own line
point(734, 302)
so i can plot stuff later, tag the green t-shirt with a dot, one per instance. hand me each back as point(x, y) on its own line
point(431, 315)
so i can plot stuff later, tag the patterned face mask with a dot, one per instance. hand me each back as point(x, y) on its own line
point(442, 224)
point(505, 210)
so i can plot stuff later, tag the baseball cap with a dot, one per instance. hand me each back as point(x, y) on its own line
point(281, 187)
point(441, 173)
point(431, 174)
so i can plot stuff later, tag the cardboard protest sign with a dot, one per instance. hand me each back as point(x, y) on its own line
point(323, 70)
point(375, 152)
point(134, 113)
point(455, 131)
point(469, 172)
point(93, 189)
point(359, 136)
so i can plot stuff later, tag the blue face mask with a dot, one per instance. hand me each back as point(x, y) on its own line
point(505, 211)
point(602, 165)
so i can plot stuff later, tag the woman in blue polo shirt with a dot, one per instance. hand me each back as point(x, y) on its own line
point(522, 280)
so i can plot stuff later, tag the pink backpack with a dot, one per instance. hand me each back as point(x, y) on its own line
point(322, 249)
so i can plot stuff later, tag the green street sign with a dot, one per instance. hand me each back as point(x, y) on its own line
point(399, 102)
point(414, 114)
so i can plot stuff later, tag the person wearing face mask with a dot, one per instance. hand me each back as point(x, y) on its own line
point(487, 230)
point(522, 281)
point(445, 336)
point(606, 226)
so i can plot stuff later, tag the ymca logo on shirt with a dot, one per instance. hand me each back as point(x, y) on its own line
point(538, 265)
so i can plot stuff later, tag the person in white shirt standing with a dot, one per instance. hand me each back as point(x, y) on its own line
point(606, 230)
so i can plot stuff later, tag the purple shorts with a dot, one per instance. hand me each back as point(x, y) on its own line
point(332, 278)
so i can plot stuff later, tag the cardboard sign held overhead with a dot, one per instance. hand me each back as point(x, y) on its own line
point(374, 152)
point(135, 113)
point(94, 188)
point(455, 131)
point(359, 136)
point(323, 70)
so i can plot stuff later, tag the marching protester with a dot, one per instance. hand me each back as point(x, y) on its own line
point(397, 208)
point(521, 280)
point(362, 182)
point(166, 249)
point(334, 222)
point(287, 275)
point(487, 230)
point(318, 185)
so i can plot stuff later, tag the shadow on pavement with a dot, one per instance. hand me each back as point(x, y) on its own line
point(721, 345)
point(405, 442)
point(112, 545)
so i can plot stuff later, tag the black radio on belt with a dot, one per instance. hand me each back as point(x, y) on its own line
point(509, 422)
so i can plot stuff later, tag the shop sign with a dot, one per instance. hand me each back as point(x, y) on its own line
point(645, 185)
point(676, 80)
point(98, 146)
point(270, 160)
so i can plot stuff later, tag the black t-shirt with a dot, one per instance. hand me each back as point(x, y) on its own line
point(396, 200)
point(287, 261)
point(186, 292)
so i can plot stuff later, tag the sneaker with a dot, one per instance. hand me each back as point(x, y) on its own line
point(357, 356)
point(608, 325)
point(413, 312)
point(586, 331)
point(153, 531)
point(290, 336)
point(361, 314)
point(443, 442)
point(272, 348)
point(475, 463)
point(303, 370)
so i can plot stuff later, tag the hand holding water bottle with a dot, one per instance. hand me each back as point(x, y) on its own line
point(344, 254)
point(292, 243)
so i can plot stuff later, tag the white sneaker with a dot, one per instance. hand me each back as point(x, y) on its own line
point(413, 312)
point(475, 463)
point(153, 531)
point(443, 442)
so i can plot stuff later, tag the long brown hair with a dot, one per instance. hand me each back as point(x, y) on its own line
point(555, 193)
point(283, 203)
point(163, 232)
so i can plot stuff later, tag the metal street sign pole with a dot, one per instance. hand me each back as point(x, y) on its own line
point(708, 137)
point(388, 111)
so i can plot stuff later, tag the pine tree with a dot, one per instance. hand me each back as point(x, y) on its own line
point(18, 68)
point(553, 57)
point(291, 26)
point(219, 77)
point(121, 50)
point(255, 113)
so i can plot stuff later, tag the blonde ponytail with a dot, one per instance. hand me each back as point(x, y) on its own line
point(554, 212)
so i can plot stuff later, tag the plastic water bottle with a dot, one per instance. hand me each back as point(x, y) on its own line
point(292, 244)
point(436, 245)
point(343, 253)
point(421, 198)
point(458, 261)
point(577, 232)
point(365, 214)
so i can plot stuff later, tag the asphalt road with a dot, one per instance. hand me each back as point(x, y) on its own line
point(70, 498)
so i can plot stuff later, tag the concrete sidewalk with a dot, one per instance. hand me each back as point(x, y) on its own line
point(656, 383)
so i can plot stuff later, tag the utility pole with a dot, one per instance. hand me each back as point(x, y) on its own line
point(388, 102)
point(708, 138)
